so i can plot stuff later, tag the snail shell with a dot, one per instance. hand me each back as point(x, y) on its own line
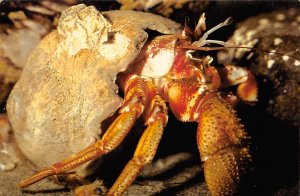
point(67, 86)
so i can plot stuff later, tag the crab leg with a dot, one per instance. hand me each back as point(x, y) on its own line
point(132, 108)
point(146, 148)
point(221, 142)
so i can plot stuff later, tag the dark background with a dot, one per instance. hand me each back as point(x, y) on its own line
point(274, 145)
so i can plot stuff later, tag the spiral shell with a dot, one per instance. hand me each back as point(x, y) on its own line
point(67, 86)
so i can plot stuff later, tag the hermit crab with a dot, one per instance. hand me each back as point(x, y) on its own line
point(72, 72)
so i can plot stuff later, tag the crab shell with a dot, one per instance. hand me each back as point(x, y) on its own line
point(67, 86)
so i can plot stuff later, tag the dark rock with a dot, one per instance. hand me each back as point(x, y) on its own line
point(273, 122)
point(276, 59)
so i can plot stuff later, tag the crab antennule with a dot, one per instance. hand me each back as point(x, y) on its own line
point(200, 27)
point(203, 40)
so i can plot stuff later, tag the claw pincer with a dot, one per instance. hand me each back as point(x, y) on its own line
point(221, 139)
point(222, 143)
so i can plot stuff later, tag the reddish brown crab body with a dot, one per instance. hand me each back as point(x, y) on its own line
point(166, 72)
point(192, 96)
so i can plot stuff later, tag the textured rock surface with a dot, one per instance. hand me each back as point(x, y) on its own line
point(67, 86)
point(9, 182)
point(273, 122)
point(16, 43)
point(10, 155)
point(279, 33)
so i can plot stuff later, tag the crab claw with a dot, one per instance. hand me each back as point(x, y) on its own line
point(247, 91)
point(247, 86)
point(222, 143)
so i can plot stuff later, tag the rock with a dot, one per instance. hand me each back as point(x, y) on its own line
point(10, 155)
point(22, 27)
point(275, 37)
point(274, 120)
point(163, 7)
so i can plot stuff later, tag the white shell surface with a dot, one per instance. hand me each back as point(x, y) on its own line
point(67, 86)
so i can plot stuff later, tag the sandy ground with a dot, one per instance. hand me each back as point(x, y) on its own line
point(177, 174)
point(9, 180)
point(184, 182)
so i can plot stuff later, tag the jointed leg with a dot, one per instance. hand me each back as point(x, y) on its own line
point(146, 148)
point(132, 108)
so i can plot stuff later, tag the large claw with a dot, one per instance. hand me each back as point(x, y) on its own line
point(221, 142)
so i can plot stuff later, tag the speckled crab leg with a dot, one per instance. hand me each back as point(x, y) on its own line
point(146, 149)
point(132, 108)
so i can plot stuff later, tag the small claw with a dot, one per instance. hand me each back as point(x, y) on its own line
point(247, 86)
point(247, 91)
point(233, 75)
